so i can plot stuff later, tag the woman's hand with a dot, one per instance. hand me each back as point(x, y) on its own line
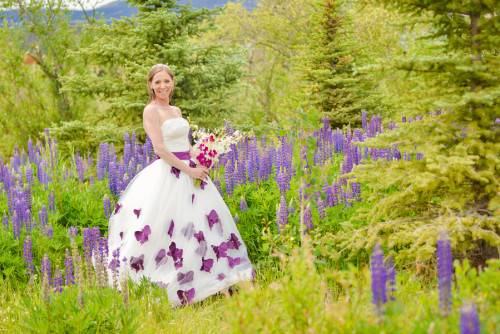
point(191, 152)
point(198, 172)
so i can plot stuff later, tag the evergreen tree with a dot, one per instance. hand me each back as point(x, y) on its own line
point(336, 87)
point(455, 185)
point(119, 56)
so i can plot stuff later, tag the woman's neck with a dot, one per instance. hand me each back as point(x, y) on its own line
point(162, 102)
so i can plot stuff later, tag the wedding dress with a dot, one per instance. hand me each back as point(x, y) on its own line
point(170, 230)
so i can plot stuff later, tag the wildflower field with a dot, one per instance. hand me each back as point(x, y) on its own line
point(364, 182)
point(288, 194)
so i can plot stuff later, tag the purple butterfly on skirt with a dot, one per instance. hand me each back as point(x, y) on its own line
point(220, 251)
point(234, 242)
point(176, 254)
point(206, 264)
point(202, 249)
point(142, 236)
point(118, 206)
point(202, 184)
point(185, 296)
point(199, 236)
point(184, 278)
point(188, 231)
point(221, 276)
point(161, 257)
point(170, 231)
point(137, 263)
point(232, 262)
point(192, 164)
point(137, 212)
point(176, 171)
point(213, 218)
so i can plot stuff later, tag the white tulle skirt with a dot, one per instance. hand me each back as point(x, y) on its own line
point(168, 229)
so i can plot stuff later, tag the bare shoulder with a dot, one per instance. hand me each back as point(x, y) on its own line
point(150, 113)
point(177, 111)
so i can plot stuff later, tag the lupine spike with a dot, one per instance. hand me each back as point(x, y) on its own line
point(379, 278)
point(469, 320)
point(445, 272)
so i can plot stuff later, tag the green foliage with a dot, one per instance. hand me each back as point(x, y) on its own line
point(103, 312)
point(119, 56)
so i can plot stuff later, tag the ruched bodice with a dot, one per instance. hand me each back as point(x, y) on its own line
point(175, 134)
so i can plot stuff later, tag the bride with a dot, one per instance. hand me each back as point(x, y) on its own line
point(164, 226)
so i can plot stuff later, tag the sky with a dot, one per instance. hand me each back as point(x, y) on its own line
point(89, 4)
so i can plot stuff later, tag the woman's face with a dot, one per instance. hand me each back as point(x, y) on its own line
point(162, 85)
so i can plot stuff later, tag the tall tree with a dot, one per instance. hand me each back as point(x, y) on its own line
point(120, 54)
point(455, 185)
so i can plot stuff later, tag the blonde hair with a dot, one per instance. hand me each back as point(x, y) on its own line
point(156, 69)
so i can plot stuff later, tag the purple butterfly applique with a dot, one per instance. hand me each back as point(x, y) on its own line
point(233, 262)
point(199, 236)
point(202, 184)
point(202, 249)
point(118, 206)
point(184, 278)
point(137, 263)
point(213, 218)
point(220, 251)
point(206, 264)
point(188, 231)
point(176, 171)
point(171, 228)
point(161, 257)
point(192, 164)
point(137, 212)
point(176, 254)
point(221, 276)
point(234, 242)
point(185, 296)
point(142, 236)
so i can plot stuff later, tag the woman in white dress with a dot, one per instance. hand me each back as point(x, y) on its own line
point(164, 226)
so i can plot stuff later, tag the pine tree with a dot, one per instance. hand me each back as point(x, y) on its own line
point(455, 186)
point(336, 87)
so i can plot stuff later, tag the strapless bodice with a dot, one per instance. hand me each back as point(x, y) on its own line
point(175, 134)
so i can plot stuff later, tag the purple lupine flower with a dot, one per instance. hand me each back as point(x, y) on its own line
point(29, 176)
point(107, 206)
point(356, 190)
point(28, 255)
point(419, 156)
point(445, 272)
point(308, 218)
point(469, 320)
point(243, 204)
point(16, 225)
point(282, 213)
point(282, 181)
point(321, 207)
point(43, 216)
point(49, 231)
point(379, 277)
point(58, 281)
point(80, 169)
point(52, 203)
point(68, 269)
point(364, 122)
point(46, 268)
point(229, 177)
point(391, 276)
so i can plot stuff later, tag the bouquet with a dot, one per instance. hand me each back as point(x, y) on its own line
point(209, 146)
